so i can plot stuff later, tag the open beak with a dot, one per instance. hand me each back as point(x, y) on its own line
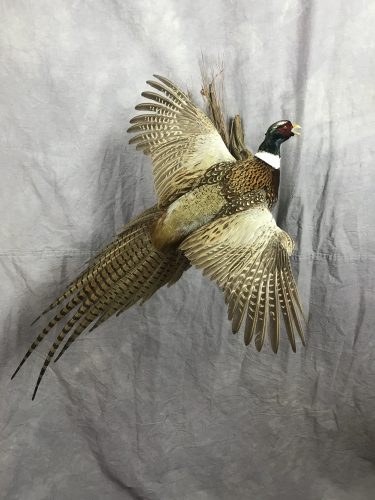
point(295, 129)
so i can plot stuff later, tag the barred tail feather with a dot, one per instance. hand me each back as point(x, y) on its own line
point(127, 271)
point(108, 254)
point(139, 285)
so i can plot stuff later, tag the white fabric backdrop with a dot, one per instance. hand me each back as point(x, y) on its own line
point(164, 403)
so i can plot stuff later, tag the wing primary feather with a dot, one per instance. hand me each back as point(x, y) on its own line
point(242, 303)
point(172, 86)
point(259, 339)
point(273, 311)
point(293, 290)
point(154, 108)
point(294, 304)
point(233, 290)
point(266, 310)
point(236, 310)
point(284, 303)
point(258, 288)
point(160, 99)
point(173, 93)
point(167, 91)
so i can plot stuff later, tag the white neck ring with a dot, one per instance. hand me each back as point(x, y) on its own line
point(269, 158)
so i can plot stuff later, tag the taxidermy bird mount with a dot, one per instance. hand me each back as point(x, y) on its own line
point(213, 211)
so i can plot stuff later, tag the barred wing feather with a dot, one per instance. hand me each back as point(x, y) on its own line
point(247, 254)
point(181, 140)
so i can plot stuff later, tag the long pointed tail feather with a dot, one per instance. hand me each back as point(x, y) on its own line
point(108, 254)
point(128, 270)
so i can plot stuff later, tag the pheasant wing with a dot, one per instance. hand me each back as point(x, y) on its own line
point(181, 140)
point(247, 254)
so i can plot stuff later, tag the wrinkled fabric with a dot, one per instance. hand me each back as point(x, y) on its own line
point(164, 402)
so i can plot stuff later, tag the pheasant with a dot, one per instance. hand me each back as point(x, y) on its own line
point(212, 212)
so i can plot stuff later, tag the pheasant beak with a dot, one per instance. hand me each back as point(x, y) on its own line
point(295, 129)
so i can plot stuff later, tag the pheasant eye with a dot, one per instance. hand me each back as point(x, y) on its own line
point(285, 127)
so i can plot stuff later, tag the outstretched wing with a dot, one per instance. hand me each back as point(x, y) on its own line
point(181, 140)
point(247, 254)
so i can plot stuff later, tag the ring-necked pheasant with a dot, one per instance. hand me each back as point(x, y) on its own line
point(213, 212)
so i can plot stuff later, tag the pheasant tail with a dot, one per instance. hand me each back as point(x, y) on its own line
point(127, 271)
